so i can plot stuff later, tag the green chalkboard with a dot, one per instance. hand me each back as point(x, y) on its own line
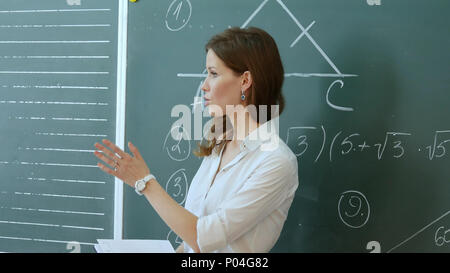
point(367, 114)
point(57, 98)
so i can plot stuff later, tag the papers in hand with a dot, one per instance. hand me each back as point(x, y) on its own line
point(134, 246)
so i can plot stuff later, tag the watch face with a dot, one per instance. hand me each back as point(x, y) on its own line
point(140, 185)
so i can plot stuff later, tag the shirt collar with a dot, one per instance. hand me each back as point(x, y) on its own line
point(263, 134)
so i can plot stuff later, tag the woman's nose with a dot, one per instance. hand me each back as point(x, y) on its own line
point(205, 87)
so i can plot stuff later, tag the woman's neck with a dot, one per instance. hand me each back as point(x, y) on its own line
point(242, 127)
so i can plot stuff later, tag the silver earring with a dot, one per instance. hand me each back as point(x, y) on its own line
point(243, 95)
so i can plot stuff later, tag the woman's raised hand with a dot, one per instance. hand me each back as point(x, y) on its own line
point(116, 162)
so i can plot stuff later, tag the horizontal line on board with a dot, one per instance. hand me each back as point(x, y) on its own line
point(59, 195)
point(287, 75)
point(55, 87)
point(51, 72)
point(42, 240)
point(54, 195)
point(48, 164)
point(64, 180)
point(61, 119)
point(48, 225)
point(55, 211)
point(40, 26)
point(54, 42)
point(54, 57)
point(56, 150)
point(64, 134)
point(307, 75)
point(54, 102)
point(51, 10)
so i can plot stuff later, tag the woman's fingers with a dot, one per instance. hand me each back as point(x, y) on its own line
point(108, 161)
point(134, 150)
point(106, 169)
point(116, 149)
point(106, 151)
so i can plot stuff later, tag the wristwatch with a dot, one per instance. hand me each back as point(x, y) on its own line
point(139, 186)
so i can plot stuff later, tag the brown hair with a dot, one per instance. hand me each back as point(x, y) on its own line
point(251, 49)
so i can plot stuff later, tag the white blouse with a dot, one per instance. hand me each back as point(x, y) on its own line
point(245, 208)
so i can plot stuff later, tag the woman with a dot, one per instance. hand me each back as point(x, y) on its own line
point(239, 198)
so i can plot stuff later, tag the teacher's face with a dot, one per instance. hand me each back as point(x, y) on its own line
point(221, 87)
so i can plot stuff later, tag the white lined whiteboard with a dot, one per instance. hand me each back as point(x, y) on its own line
point(58, 76)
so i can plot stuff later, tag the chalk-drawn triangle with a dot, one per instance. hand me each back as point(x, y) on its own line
point(303, 56)
point(303, 32)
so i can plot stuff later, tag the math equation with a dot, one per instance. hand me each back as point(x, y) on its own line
point(342, 144)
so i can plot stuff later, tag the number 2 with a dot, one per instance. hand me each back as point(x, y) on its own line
point(74, 246)
point(374, 2)
point(374, 246)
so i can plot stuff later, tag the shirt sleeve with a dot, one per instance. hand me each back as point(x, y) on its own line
point(264, 191)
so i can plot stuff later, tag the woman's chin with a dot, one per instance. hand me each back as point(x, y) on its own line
point(210, 113)
point(214, 110)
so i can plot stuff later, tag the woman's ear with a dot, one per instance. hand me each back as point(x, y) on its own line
point(246, 80)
